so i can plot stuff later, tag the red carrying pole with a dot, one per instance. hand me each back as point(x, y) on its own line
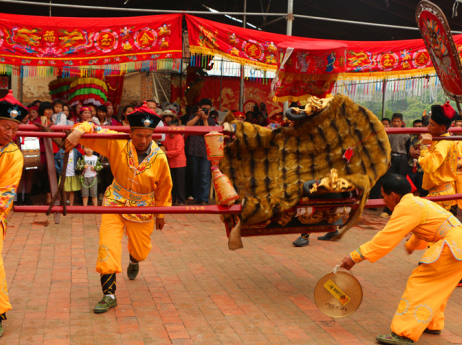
point(211, 209)
point(85, 136)
point(192, 130)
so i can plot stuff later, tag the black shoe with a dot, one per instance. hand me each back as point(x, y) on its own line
point(302, 241)
point(328, 236)
point(193, 202)
point(432, 331)
point(132, 270)
point(27, 200)
point(19, 202)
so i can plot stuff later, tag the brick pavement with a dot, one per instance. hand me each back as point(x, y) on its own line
point(193, 290)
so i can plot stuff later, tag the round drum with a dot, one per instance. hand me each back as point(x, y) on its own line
point(31, 152)
point(338, 294)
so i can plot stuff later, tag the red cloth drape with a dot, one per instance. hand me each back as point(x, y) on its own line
point(115, 86)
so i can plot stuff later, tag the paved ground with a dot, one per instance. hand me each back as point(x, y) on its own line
point(193, 290)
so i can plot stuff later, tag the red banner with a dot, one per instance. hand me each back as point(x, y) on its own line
point(255, 93)
point(249, 47)
point(263, 50)
point(77, 42)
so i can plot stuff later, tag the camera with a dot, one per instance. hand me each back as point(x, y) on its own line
point(205, 110)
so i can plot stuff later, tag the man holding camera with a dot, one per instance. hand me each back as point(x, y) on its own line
point(197, 153)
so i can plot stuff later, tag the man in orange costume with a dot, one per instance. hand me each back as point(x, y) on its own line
point(438, 159)
point(11, 164)
point(141, 178)
point(422, 305)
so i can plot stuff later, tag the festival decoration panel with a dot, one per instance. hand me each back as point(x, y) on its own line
point(228, 89)
point(443, 51)
point(310, 69)
point(79, 43)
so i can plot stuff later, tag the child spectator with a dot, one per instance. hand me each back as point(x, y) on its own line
point(386, 122)
point(90, 165)
point(72, 183)
point(33, 113)
point(57, 106)
point(62, 118)
point(167, 116)
point(174, 149)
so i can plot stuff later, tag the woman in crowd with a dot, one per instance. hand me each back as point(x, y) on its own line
point(77, 112)
point(127, 110)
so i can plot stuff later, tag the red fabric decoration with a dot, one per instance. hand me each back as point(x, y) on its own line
point(238, 115)
point(85, 109)
point(349, 153)
point(448, 110)
point(413, 187)
point(115, 85)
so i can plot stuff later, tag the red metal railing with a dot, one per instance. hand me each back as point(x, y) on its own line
point(33, 130)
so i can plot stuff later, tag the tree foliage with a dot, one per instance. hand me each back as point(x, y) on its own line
point(411, 108)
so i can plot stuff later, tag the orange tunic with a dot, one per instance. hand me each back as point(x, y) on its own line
point(439, 164)
point(11, 164)
point(145, 184)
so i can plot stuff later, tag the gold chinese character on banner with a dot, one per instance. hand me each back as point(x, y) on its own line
point(49, 36)
point(146, 39)
point(106, 40)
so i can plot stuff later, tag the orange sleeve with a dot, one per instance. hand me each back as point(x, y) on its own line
point(406, 216)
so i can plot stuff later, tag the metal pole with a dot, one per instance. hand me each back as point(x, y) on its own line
point(21, 85)
point(290, 19)
point(384, 91)
point(241, 89)
point(221, 82)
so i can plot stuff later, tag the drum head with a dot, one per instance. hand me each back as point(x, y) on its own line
point(338, 294)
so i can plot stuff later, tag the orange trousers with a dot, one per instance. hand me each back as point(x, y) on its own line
point(459, 188)
point(110, 242)
point(427, 292)
point(4, 298)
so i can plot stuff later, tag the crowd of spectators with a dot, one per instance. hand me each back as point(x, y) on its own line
point(88, 173)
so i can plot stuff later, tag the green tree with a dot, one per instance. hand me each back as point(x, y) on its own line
point(411, 108)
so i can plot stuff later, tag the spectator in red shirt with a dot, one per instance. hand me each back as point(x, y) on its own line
point(173, 146)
